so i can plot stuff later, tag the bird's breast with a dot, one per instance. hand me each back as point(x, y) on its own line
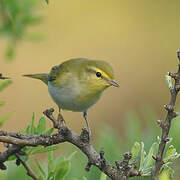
point(73, 97)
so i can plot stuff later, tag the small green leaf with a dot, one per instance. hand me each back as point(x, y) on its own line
point(50, 163)
point(171, 154)
point(24, 157)
point(32, 128)
point(103, 176)
point(158, 139)
point(58, 159)
point(41, 169)
point(22, 131)
point(12, 158)
point(2, 103)
point(28, 130)
point(51, 176)
point(62, 169)
point(49, 131)
point(169, 81)
point(47, 1)
point(41, 177)
point(143, 153)
point(135, 150)
point(171, 150)
point(167, 169)
point(10, 52)
point(4, 84)
point(149, 160)
point(164, 176)
point(4, 118)
point(46, 149)
point(71, 155)
point(41, 126)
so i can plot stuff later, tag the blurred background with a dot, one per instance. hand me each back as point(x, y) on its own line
point(139, 38)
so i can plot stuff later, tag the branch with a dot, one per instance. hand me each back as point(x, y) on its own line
point(2, 77)
point(122, 171)
point(166, 124)
point(28, 169)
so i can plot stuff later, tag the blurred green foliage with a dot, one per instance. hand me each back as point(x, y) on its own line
point(4, 84)
point(15, 18)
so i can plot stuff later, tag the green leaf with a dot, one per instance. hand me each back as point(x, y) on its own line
point(143, 153)
point(169, 81)
point(24, 157)
point(4, 84)
point(22, 131)
point(62, 169)
point(28, 130)
point(71, 155)
point(12, 158)
point(51, 176)
point(32, 128)
point(41, 177)
point(41, 169)
point(169, 171)
point(171, 150)
point(171, 154)
point(4, 118)
point(135, 150)
point(46, 149)
point(10, 52)
point(2, 103)
point(50, 164)
point(149, 160)
point(41, 126)
point(103, 176)
point(58, 159)
point(164, 176)
point(49, 131)
point(47, 1)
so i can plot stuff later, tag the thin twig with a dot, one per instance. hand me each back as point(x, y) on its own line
point(2, 77)
point(28, 169)
point(166, 124)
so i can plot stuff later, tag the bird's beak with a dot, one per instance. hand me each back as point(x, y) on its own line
point(113, 83)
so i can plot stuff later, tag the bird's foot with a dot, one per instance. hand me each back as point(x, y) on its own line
point(85, 135)
point(61, 121)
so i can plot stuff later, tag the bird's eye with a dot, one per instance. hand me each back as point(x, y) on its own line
point(98, 74)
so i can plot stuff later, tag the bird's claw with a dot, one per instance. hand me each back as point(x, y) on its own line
point(61, 121)
point(85, 135)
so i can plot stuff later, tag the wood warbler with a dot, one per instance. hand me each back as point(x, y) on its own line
point(77, 84)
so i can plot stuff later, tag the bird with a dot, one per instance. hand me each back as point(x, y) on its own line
point(77, 84)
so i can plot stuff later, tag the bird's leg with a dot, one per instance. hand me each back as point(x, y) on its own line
point(60, 119)
point(85, 114)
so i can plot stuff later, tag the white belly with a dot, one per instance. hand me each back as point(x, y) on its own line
point(67, 98)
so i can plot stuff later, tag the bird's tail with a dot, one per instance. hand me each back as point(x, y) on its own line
point(43, 77)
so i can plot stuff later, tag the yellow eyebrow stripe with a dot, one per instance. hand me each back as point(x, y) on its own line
point(94, 69)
